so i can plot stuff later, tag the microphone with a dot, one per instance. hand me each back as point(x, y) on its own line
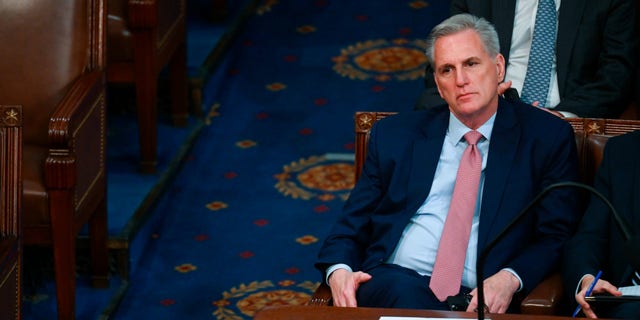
point(632, 241)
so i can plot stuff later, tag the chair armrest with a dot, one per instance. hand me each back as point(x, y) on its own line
point(545, 298)
point(321, 296)
point(77, 131)
point(77, 103)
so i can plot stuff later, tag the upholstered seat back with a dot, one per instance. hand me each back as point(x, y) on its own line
point(44, 48)
point(590, 149)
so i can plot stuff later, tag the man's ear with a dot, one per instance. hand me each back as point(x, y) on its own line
point(500, 67)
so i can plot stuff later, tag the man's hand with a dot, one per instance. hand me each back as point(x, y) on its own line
point(344, 285)
point(498, 292)
point(503, 86)
point(602, 286)
point(553, 112)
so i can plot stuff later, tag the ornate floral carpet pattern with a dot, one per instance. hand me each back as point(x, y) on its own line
point(240, 225)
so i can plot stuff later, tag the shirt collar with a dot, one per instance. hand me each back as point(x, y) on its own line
point(457, 129)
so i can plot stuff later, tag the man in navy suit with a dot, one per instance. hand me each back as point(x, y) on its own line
point(595, 53)
point(381, 251)
point(598, 243)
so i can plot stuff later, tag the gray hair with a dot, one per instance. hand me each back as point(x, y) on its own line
point(462, 22)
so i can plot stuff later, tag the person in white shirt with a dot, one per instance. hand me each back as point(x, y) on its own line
point(595, 53)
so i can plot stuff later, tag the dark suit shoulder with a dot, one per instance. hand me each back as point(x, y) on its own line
point(628, 139)
point(535, 118)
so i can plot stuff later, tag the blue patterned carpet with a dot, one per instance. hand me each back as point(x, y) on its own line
point(240, 224)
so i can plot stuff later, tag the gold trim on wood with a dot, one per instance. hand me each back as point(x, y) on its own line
point(10, 116)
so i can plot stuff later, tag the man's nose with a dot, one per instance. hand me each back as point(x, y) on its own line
point(461, 77)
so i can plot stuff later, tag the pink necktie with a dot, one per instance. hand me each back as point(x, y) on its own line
point(452, 250)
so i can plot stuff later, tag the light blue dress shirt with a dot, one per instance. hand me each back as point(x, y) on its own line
point(419, 242)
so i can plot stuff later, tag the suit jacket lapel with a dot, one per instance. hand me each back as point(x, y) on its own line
point(502, 155)
point(569, 17)
point(425, 156)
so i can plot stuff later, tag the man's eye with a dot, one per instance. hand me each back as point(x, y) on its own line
point(471, 63)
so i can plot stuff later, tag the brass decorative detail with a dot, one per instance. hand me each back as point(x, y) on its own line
point(593, 127)
point(365, 121)
point(11, 115)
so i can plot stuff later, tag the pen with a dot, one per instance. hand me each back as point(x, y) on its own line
point(588, 293)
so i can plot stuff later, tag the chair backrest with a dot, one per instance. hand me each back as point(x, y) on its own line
point(46, 45)
point(591, 136)
point(10, 210)
point(364, 120)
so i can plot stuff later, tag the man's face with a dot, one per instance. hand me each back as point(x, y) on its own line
point(467, 77)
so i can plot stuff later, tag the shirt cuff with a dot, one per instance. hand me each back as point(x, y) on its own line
point(335, 267)
point(580, 282)
point(567, 114)
point(516, 275)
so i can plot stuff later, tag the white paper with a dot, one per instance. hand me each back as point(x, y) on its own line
point(630, 291)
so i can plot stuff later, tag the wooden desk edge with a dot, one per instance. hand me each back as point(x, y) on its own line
point(335, 313)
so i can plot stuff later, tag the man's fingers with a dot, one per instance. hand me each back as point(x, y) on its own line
point(503, 86)
point(362, 277)
point(345, 299)
point(344, 286)
point(473, 304)
point(588, 311)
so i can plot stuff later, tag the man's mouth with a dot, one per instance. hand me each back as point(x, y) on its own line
point(465, 96)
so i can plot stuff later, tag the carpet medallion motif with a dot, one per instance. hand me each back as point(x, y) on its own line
point(247, 299)
point(238, 225)
point(316, 177)
point(382, 60)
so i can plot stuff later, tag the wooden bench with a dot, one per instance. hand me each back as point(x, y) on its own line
point(591, 136)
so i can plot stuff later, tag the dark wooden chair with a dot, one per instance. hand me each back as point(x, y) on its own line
point(53, 64)
point(144, 37)
point(10, 211)
point(591, 136)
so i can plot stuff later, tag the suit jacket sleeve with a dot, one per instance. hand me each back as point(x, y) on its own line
point(349, 237)
point(584, 253)
point(524, 160)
